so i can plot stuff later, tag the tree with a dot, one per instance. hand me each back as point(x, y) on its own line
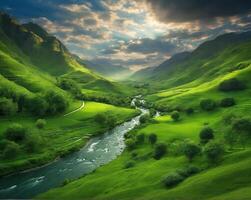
point(71, 86)
point(206, 134)
point(21, 102)
point(207, 104)
point(230, 138)
point(159, 151)
point(232, 84)
point(243, 127)
point(144, 118)
point(38, 106)
point(11, 150)
point(130, 143)
point(227, 102)
point(15, 132)
point(140, 138)
point(214, 151)
point(175, 115)
point(173, 179)
point(152, 138)
point(57, 103)
point(7, 107)
point(40, 123)
point(191, 150)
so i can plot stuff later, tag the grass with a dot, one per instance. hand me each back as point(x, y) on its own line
point(62, 133)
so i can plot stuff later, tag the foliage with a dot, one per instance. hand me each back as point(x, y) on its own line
point(71, 86)
point(175, 115)
point(7, 107)
point(242, 126)
point(173, 180)
point(159, 151)
point(11, 150)
point(15, 132)
point(129, 164)
point(40, 123)
point(227, 102)
point(152, 138)
point(130, 143)
point(38, 106)
point(144, 118)
point(105, 119)
point(189, 111)
point(188, 171)
point(207, 104)
point(214, 151)
point(206, 134)
point(191, 150)
point(232, 84)
point(140, 138)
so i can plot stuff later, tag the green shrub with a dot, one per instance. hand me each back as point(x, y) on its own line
point(140, 138)
point(71, 86)
point(207, 104)
point(11, 150)
point(129, 164)
point(189, 111)
point(159, 151)
point(191, 150)
point(188, 171)
point(56, 102)
point(206, 134)
point(40, 123)
point(214, 151)
point(232, 84)
point(15, 132)
point(105, 119)
point(33, 142)
point(175, 115)
point(173, 180)
point(242, 126)
point(144, 118)
point(38, 106)
point(7, 107)
point(227, 102)
point(130, 143)
point(152, 138)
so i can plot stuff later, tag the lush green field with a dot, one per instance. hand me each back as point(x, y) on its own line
point(62, 134)
point(228, 179)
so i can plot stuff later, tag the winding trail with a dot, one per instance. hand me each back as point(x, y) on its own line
point(78, 109)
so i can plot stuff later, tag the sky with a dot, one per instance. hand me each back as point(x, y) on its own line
point(132, 33)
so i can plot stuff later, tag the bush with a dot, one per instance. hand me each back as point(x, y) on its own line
point(105, 119)
point(214, 151)
point(38, 106)
point(206, 134)
point(173, 180)
point(130, 143)
point(189, 111)
point(129, 164)
point(140, 138)
point(227, 102)
point(33, 142)
point(191, 150)
point(175, 115)
point(159, 151)
point(232, 84)
point(188, 171)
point(57, 103)
point(208, 104)
point(71, 86)
point(15, 132)
point(152, 138)
point(11, 150)
point(144, 118)
point(243, 127)
point(40, 123)
point(7, 107)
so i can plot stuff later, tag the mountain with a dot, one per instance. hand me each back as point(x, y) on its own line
point(31, 59)
point(210, 60)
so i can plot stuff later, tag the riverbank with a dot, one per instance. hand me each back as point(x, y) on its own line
point(79, 131)
point(97, 152)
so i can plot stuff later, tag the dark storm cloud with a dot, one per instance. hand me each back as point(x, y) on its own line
point(202, 10)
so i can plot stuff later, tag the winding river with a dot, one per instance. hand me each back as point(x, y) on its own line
point(98, 151)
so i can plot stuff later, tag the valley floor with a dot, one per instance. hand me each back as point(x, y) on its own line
point(62, 134)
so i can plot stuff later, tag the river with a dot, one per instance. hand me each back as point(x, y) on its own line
point(97, 152)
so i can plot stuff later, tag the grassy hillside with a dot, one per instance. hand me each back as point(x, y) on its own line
point(183, 85)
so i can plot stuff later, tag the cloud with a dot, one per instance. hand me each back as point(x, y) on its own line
point(192, 10)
